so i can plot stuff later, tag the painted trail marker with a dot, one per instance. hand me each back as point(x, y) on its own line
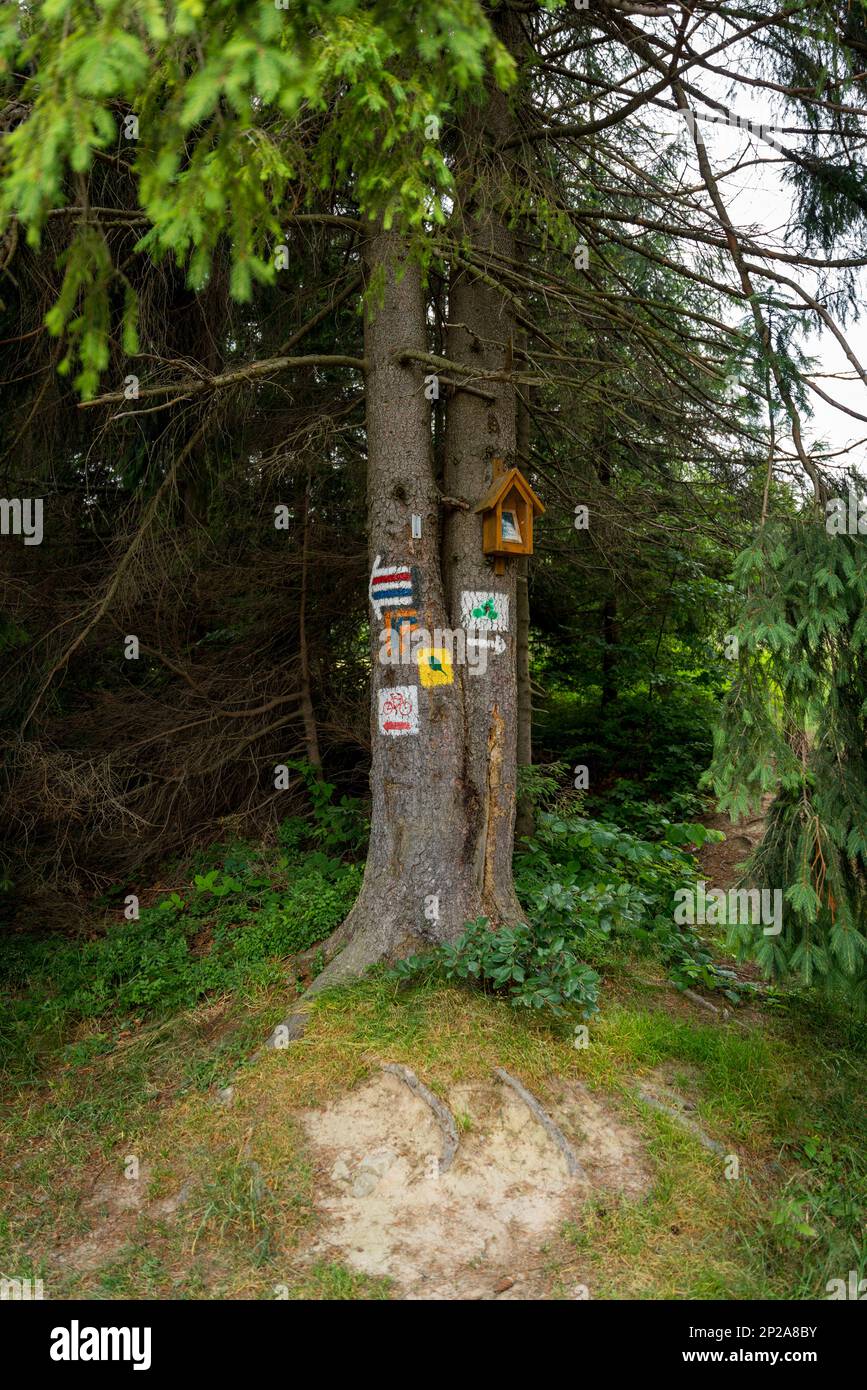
point(401, 621)
point(398, 710)
point(497, 644)
point(435, 666)
point(484, 611)
point(390, 586)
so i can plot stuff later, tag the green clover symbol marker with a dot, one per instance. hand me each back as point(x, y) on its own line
point(487, 610)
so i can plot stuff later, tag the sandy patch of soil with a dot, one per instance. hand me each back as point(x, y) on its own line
point(466, 1232)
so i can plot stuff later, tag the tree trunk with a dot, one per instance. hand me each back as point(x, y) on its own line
point(610, 640)
point(609, 623)
point(480, 438)
point(443, 767)
point(525, 820)
point(419, 881)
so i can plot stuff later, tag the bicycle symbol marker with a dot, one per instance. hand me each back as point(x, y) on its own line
point(398, 710)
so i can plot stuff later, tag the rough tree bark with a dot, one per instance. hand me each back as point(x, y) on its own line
point(481, 436)
point(525, 819)
point(419, 884)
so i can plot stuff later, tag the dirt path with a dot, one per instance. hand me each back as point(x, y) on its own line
point(721, 862)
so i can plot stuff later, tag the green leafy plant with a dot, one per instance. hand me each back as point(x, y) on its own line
point(336, 827)
point(228, 931)
point(534, 967)
point(586, 885)
point(599, 883)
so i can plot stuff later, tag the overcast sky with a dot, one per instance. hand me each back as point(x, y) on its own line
point(758, 197)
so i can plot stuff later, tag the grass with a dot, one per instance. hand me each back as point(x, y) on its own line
point(329, 1281)
point(779, 1096)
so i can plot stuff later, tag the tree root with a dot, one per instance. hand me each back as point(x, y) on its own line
point(704, 1003)
point(349, 964)
point(683, 1120)
point(442, 1114)
point(293, 1027)
point(552, 1129)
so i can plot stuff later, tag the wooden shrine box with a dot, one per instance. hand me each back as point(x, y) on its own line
point(507, 515)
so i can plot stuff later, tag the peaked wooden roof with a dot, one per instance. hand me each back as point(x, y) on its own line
point(502, 484)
